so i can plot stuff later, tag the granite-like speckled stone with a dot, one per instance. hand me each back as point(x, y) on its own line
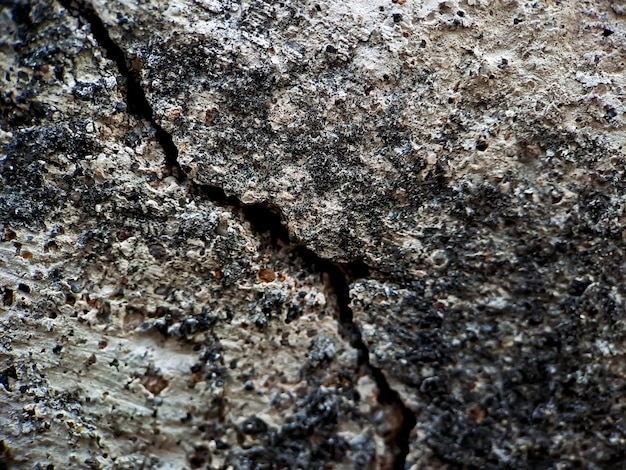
point(143, 326)
point(469, 154)
point(390, 121)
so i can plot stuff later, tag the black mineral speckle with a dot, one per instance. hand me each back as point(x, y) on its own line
point(610, 114)
point(221, 445)
point(8, 296)
point(254, 425)
point(578, 286)
point(306, 440)
point(158, 251)
point(293, 313)
point(23, 288)
point(8, 373)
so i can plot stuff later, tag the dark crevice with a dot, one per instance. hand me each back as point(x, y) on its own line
point(136, 100)
point(268, 219)
point(401, 419)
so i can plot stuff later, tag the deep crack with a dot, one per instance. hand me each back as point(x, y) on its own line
point(267, 218)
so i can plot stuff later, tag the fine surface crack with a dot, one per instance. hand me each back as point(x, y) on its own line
point(267, 218)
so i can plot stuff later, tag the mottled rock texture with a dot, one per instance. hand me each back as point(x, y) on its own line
point(312, 234)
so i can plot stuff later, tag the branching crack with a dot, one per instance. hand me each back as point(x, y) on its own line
point(267, 218)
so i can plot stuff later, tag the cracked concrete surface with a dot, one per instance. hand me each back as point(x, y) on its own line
point(312, 234)
point(235, 361)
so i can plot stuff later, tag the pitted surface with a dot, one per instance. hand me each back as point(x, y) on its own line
point(468, 153)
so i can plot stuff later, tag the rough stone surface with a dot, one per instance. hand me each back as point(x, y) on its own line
point(469, 153)
point(389, 120)
point(142, 328)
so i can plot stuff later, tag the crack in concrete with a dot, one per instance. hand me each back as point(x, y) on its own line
point(267, 218)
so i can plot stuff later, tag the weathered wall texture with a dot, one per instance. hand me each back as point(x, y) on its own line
point(312, 234)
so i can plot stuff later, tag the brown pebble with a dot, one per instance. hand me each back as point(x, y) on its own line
point(154, 383)
point(478, 414)
point(267, 275)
